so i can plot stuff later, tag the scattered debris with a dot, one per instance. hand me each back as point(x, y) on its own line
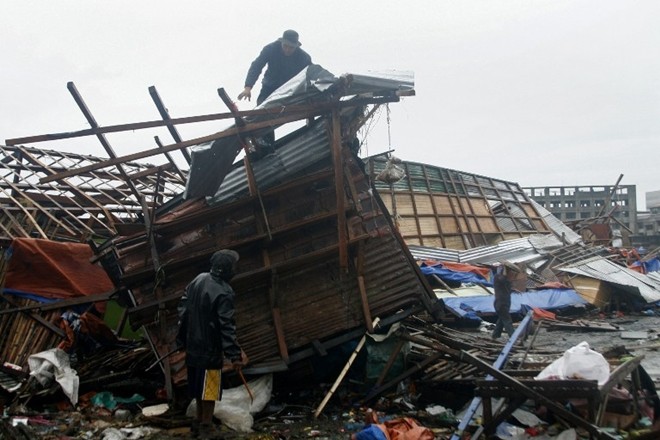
point(354, 280)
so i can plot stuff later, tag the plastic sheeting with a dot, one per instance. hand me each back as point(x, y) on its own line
point(448, 272)
point(54, 365)
point(652, 265)
point(551, 299)
point(54, 270)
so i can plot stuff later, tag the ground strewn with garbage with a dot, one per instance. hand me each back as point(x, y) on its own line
point(364, 289)
point(286, 410)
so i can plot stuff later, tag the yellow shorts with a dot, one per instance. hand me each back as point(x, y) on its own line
point(204, 384)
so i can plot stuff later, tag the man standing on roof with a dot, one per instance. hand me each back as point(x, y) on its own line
point(207, 331)
point(285, 59)
point(502, 284)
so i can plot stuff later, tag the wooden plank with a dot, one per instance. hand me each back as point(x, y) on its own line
point(273, 111)
point(37, 318)
point(337, 160)
point(366, 311)
point(424, 204)
point(62, 303)
point(276, 313)
point(231, 131)
point(164, 113)
point(102, 139)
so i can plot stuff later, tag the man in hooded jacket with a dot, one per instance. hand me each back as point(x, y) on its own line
point(207, 331)
point(284, 58)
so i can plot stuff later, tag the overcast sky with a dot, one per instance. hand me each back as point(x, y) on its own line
point(536, 92)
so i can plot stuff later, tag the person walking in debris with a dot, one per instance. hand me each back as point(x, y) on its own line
point(207, 332)
point(502, 284)
point(285, 59)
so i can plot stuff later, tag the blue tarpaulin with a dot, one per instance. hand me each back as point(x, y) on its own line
point(652, 265)
point(451, 275)
point(550, 299)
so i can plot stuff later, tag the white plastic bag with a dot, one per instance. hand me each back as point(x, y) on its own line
point(578, 362)
point(235, 409)
point(54, 364)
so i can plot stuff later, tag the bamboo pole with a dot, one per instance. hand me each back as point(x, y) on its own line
point(344, 371)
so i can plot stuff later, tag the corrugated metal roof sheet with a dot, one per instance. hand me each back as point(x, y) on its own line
point(213, 161)
point(307, 147)
point(608, 271)
point(439, 254)
point(557, 225)
point(655, 276)
point(544, 242)
point(516, 251)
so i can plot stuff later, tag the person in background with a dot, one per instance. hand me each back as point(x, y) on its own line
point(207, 332)
point(285, 59)
point(502, 285)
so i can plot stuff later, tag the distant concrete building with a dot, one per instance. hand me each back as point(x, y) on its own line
point(648, 222)
point(574, 203)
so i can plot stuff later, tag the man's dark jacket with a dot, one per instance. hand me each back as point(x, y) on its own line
point(281, 68)
point(207, 328)
point(502, 287)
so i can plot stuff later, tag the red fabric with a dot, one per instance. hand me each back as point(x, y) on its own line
point(405, 429)
point(91, 326)
point(483, 272)
point(639, 269)
point(543, 314)
point(54, 270)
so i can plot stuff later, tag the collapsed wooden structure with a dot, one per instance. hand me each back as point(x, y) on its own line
point(323, 242)
point(320, 257)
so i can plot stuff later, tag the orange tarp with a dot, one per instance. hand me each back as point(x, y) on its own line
point(483, 272)
point(54, 269)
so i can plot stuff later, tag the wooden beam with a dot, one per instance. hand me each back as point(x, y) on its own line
point(365, 303)
point(249, 171)
point(463, 356)
point(290, 116)
point(618, 375)
point(169, 158)
point(277, 317)
point(37, 318)
point(63, 303)
point(104, 142)
point(162, 314)
point(337, 159)
point(170, 127)
point(231, 131)
point(271, 111)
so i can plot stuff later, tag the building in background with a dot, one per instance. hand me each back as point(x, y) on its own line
point(572, 204)
point(648, 222)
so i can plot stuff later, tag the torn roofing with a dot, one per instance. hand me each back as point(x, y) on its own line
point(516, 250)
point(310, 145)
point(212, 161)
point(629, 280)
point(557, 226)
point(93, 203)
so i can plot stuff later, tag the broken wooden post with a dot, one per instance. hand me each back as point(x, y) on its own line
point(249, 172)
point(170, 126)
point(344, 371)
point(104, 142)
point(335, 144)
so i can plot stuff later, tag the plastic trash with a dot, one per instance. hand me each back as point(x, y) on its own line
point(578, 362)
point(235, 409)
